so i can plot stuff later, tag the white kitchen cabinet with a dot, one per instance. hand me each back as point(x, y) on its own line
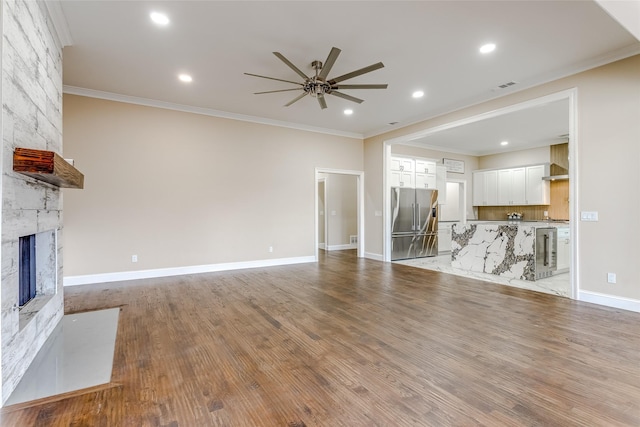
point(511, 186)
point(401, 179)
point(563, 249)
point(402, 164)
point(537, 191)
point(402, 172)
point(426, 167)
point(485, 188)
point(514, 186)
point(424, 180)
point(441, 184)
point(425, 174)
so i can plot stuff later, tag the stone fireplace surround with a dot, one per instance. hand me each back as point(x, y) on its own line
point(31, 118)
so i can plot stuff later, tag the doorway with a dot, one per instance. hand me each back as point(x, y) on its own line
point(453, 210)
point(339, 216)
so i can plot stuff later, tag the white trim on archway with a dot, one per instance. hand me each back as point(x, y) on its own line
point(572, 96)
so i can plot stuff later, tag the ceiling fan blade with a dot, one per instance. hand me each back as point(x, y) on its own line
point(331, 59)
point(274, 91)
point(273, 78)
point(296, 99)
point(375, 86)
point(293, 67)
point(356, 73)
point(347, 97)
point(322, 101)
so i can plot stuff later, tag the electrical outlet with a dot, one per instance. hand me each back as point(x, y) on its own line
point(134, 258)
point(270, 248)
point(611, 277)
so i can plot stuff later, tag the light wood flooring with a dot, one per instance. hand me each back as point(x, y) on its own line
point(351, 342)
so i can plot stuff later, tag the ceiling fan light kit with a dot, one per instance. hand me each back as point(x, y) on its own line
point(319, 85)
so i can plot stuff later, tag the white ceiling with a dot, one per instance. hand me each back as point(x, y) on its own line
point(429, 45)
point(536, 126)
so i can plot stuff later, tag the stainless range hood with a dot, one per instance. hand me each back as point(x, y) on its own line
point(557, 173)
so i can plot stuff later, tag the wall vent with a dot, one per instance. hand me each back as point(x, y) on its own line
point(506, 85)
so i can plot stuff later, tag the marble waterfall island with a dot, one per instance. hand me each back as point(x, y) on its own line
point(502, 249)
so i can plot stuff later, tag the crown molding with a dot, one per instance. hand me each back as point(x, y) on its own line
point(59, 22)
point(91, 93)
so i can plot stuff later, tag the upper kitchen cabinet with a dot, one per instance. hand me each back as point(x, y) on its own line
point(511, 187)
point(426, 174)
point(485, 188)
point(537, 190)
point(402, 172)
point(418, 173)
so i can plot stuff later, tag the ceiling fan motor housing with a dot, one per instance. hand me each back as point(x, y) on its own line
point(316, 86)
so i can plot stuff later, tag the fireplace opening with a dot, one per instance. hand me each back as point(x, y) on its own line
point(37, 262)
point(27, 269)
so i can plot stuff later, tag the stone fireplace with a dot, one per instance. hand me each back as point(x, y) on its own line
point(32, 118)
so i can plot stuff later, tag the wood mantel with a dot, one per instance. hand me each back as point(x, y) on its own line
point(47, 166)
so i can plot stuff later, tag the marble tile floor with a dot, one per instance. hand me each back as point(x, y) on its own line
point(558, 284)
point(77, 355)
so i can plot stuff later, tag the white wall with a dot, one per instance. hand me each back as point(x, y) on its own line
point(180, 189)
point(515, 158)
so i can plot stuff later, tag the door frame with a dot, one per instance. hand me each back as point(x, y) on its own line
point(324, 214)
point(359, 203)
point(462, 195)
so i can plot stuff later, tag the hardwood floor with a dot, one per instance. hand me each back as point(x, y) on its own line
point(351, 342)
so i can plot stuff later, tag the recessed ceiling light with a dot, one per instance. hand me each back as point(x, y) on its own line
point(348, 112)
point(504, 143)
point(418, 94)
point(487, 48)
point(159, 18)
point(185, 78)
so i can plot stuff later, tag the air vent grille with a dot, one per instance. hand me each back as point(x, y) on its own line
point(506, 85)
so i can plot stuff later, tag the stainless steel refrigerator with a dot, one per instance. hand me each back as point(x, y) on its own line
point(414, 223)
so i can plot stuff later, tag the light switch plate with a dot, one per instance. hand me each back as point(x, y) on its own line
point(588, 216)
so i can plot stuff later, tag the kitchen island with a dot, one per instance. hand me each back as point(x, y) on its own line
point(502, 248)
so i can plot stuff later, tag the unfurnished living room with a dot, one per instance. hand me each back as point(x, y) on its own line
point(320, 213)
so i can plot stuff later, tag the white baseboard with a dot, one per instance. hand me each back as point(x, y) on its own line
point(376, 257)
point(177, 271)
point(341, 247)
point(609, 300)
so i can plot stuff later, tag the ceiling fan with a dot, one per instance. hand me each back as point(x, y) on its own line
point(319, 84)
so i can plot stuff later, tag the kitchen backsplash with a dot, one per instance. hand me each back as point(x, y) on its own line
point(558, 209)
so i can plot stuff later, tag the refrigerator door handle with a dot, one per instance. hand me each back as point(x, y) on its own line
point(419, 223)
point(413, 217)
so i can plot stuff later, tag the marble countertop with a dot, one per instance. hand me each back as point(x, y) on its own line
point(536, 224)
